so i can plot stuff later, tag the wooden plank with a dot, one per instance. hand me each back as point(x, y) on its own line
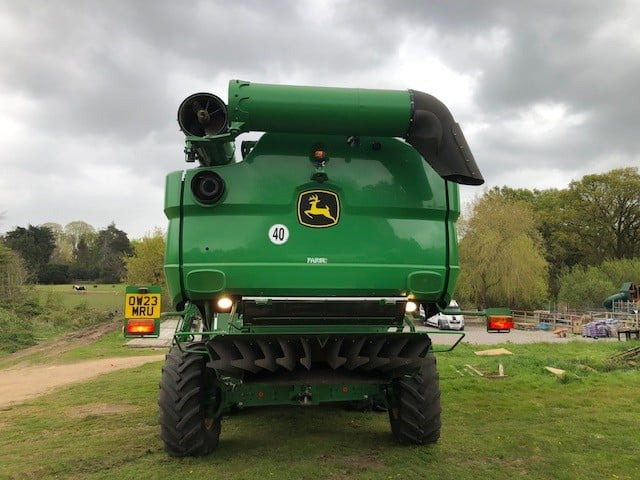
point(493, 352)
point(474, 370)
point(556, 371)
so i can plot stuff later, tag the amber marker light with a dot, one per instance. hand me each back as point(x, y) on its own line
point(500, 323)
point(141, 327)
point(224, 303)
point(411, 307)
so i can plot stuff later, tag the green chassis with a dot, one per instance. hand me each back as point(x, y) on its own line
point(229, 393)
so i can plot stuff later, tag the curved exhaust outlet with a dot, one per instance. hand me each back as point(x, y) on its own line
point(421, 119)
point(202, 114)
point(439, 139)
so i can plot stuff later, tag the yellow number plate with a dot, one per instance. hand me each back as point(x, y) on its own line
point(142, 305)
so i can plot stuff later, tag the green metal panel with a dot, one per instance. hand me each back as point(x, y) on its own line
point(392, 225)
point(269, 394)
point(172, 201)
point(350, 111)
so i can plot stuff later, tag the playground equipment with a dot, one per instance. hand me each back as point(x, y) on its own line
point(629, 292)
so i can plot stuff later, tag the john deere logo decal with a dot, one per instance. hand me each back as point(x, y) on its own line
point(318, 208)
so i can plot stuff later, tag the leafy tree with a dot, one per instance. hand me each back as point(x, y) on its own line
point(563, 244)
point(55, 273)
point(63, 252)
point(605, 211)
point(585, 287)
point(34, 244)
point(112, 246)
point(12, 273)
point(78, 231)
point(501, 255)
point(146, 265)
point(81, 238)
point(622, 271)
point(84, 265)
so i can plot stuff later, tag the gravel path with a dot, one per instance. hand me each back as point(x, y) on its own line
point(476, 334)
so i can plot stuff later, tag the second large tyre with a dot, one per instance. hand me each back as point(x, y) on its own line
point(186, 427)
point(415, 411)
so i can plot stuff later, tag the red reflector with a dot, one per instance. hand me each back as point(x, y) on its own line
point(260, 394)
point(141, 327)
point(500, 322)
point(345, 390)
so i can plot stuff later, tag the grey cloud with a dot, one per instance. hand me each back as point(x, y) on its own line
point(103, 67)
point(576, 53)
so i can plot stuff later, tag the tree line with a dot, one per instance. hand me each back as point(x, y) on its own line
point(51, 253)
point(526, 248)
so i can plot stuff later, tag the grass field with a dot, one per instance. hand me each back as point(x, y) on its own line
point(43, 312)
point(108, 297)
point(528, 425)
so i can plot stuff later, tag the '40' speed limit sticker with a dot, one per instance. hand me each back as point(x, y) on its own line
point(278, 234)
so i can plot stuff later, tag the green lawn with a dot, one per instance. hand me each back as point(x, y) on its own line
point(528, 425)
point(108, 297)
point(43, 312)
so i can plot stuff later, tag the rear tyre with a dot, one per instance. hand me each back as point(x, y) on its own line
point(415, 411)
point(187, 427)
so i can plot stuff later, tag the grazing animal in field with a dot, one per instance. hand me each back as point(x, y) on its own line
point(78, 288)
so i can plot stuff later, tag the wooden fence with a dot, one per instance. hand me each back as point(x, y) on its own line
point(573, 320)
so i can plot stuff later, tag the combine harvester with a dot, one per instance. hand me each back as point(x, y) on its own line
point(294, 270)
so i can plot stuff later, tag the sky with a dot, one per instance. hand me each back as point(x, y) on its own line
point(545, 91)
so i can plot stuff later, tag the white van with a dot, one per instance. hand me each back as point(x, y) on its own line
point(445, 322)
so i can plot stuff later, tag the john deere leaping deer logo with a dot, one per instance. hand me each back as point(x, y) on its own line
point(318, 208)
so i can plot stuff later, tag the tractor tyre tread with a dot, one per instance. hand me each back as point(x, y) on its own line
point(184, 428)
point(416, 417)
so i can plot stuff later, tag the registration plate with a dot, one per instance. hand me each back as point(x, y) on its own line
point(142, 305)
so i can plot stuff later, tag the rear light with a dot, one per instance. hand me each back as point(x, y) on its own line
point(499, 323)
point(411, 307)
point(140, 327)
point(224, 303)
point(320, 155)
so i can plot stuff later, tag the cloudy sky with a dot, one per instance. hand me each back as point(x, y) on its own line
point(545, 91)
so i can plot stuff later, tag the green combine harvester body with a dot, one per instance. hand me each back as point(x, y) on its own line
point(292, 269)
point(382, 225)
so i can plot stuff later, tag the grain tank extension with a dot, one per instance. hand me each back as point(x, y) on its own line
point(293, 262)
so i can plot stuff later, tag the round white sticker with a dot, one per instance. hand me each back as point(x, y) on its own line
point(278, 234)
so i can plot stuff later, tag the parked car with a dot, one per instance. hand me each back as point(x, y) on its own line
point(445, 322)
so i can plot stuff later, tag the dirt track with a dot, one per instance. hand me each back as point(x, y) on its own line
point(66, 342)
point(18, 384)
point(22, 382)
